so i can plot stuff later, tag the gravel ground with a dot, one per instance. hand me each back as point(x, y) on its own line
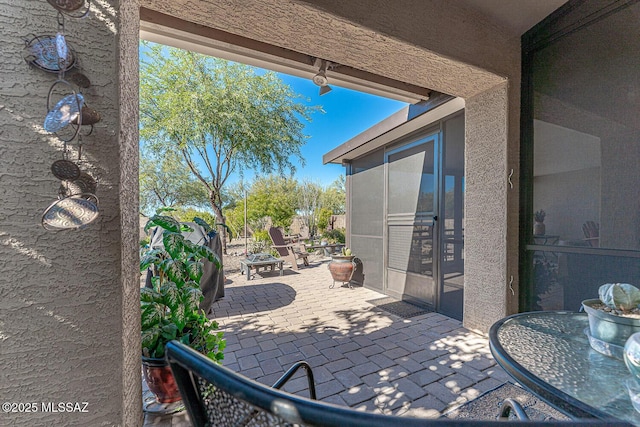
point(231, 261)
point(235, 253)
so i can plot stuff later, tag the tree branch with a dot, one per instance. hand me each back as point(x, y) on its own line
point(193, 169)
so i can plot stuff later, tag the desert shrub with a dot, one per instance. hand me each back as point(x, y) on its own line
point(336, 235)
point(261, 236)
point(144, 242)
point(187, 214)
point(261, 242)
point(323, 219)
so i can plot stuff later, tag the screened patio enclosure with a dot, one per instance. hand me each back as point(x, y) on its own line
point(581, 154)
point(406, 214)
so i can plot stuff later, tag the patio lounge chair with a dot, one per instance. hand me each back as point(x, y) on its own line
point(217, 396)
point(290, 252)
point(591, 232)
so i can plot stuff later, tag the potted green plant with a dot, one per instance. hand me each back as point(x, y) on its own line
point(545, 273)
point(170, 308)
point(615, 316)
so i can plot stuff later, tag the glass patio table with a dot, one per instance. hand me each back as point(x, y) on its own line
point(549, 354)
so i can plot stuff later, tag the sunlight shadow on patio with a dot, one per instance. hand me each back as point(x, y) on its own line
point(362, 357)
point(255, 299)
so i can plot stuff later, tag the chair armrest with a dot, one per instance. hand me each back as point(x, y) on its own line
point(281, 246)
point(509, 405)
point(292, 370)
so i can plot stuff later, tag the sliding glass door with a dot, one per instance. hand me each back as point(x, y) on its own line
point(412, 221)
point(424, 220)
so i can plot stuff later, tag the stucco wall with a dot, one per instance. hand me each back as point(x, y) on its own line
point(485, 295)
point(433, 43)
point(127, 72)
point(69, 326)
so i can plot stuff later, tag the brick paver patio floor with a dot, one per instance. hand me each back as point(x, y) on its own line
point(362, 357)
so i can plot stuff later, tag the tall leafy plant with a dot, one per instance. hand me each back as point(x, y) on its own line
point(170, 309)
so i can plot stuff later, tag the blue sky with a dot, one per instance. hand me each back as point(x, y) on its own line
point(346, 114)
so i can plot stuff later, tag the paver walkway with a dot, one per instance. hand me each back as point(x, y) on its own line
point(362, 357)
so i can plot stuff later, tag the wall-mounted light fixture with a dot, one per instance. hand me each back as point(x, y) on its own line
point(320, 79)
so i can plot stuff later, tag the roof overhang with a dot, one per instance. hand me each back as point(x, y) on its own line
point(171, 31)
point(404, 122)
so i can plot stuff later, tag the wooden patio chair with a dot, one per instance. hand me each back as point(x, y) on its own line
point(288, 251)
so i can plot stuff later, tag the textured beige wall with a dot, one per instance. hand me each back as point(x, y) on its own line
point(445, 27)
point(127, 73)
point(69, 324)
point(433, 43)
point(485, 293)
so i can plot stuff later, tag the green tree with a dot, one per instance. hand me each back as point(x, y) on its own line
point(187, 215)
point(323, 219)
point(235, 219)
point(273, 196)
point(268, 196)
point(334, 197)
point(309, 204)
point(233, 196)
point(166, 181)
point(234, 208)
point(221, 117)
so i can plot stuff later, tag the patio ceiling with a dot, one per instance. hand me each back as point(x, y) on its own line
point(517, 16)
point(297, 27)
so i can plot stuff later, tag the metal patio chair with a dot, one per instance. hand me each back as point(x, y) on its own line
point(217, 396)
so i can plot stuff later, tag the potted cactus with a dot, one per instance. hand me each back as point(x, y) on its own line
point(342, 266)
point(615, 316)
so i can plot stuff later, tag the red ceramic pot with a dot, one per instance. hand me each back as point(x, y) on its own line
point(341, 268)
point(160, 380)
